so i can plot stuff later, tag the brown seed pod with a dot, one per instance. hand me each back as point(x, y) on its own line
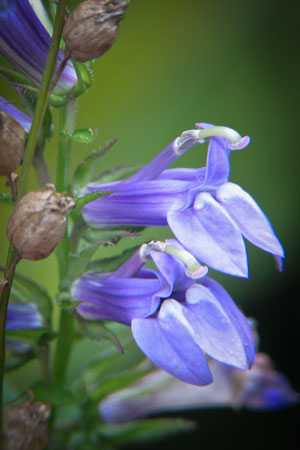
point(12, 143)
point(38, 222)
point(92, 28)
point(26, 426)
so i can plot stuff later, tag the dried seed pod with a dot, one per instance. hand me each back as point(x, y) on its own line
point(92, 28)
point(12, 143)
point(38, 222)
point(26, 426)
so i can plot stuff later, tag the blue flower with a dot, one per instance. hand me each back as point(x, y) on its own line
point(260, 388)
point(208, 214)
point(174, 320)
point(21, 316)
point(25, 41)
point(23, 119)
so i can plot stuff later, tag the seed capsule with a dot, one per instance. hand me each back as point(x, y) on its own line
point(26, 426)
point(92, 28)
point(38, 222)
point(12, 143)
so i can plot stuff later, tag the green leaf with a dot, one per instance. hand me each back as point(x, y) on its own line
point(6, 199)
point(37, 294)
point(25, 290)
point(53, 394)
point(85, 171)
point(32, 336)
point(16, 361)
point(80, 202)
point(93, 235)
point(116, 173)
point(84, 135)
point(145, 431)
point(96, 331)
point(78, 263)
point(114, 383)
point(67, 302)
point(108, 364)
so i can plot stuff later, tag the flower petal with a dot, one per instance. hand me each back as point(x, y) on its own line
point(141, 203)
point(237, 318)
point(216, 334)
point(249, 217)
point(208, 232)
point(118, 299)
point(168, 340)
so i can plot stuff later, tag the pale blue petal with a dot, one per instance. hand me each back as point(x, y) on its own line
point(249, 217)
point(236, 316)
point(168, 341)
point(216, 334)
point(208, 232)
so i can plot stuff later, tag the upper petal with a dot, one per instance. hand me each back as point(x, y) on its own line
point(118, 299)
point(208, 232)
point(168, 340)
point(251, 220)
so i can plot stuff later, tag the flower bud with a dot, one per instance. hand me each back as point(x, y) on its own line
point(12, 143)
point(92, 28)
point(38, 222)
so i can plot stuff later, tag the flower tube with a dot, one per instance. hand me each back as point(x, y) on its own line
point(209, 215)
point(25, 42)
point(24, 120)
point(175, 321)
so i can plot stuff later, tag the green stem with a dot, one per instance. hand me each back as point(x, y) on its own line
point(38, 118)
point(65, 333)
point(63, 348)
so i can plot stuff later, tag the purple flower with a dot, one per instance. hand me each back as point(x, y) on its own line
point(260, 388)
point(25, 41)
point(207, 214)
point(23, 119)
point(174, 320)
point(21, 316)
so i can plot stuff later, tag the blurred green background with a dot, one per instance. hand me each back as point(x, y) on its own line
point(231, 63)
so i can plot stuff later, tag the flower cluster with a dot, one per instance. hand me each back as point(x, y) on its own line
point(174, 320)
point(207, 214)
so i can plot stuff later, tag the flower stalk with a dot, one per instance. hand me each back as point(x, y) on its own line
point(38, 118)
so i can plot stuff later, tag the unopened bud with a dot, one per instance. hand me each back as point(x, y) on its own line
point(38, 222)
point(12, 143)
point(92, 28)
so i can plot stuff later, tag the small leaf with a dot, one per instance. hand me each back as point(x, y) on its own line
point(84, 135)
point(6, 199)
point(78, 263)
point(37, 294)
point(53, 394)
point(96, 331)
point(93, 235)
point(116, 173)
point(16, 361)
point(113, 384)
point(80, 202)
point(32, 336)
point(85, 171)
point(68, 302)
